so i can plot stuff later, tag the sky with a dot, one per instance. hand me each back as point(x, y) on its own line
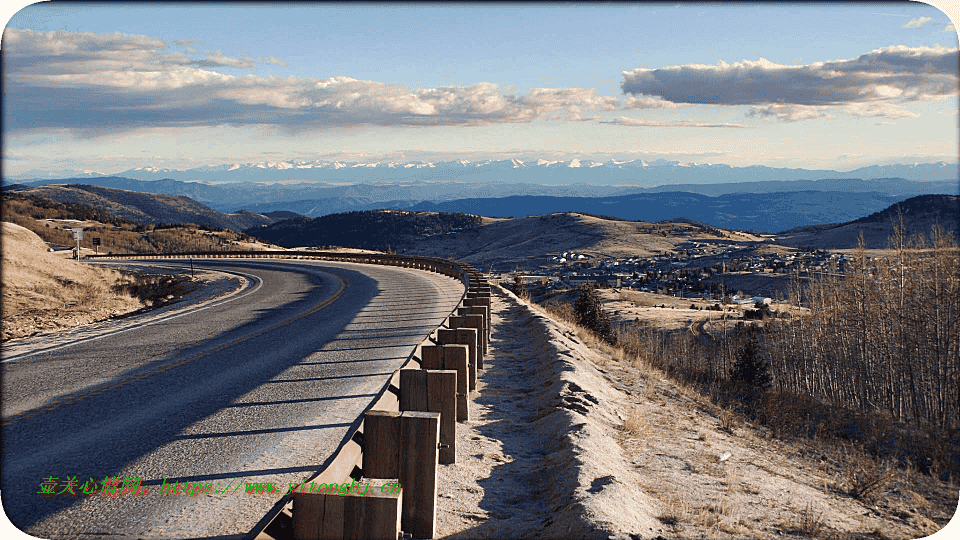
point(109, 87)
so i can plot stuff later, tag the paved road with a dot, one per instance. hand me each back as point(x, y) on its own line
point(259, 388)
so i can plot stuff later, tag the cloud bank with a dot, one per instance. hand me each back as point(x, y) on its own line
point(873, 82)
point(97, 82)
point(637, 122)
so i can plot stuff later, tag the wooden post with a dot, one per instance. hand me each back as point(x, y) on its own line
point(455, 358)
point(419, 438)
point(442, 398)
point(463, 336)
point(317, 517)
point(472, 321)
point(413, 390)
point(474, 302)
point(381, 444)
point(483, 311)
point(431, 357)
point(373, 512)
point(374, 515)
point(428, 390)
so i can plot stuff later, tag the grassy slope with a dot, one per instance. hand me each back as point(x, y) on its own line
point(44, 291)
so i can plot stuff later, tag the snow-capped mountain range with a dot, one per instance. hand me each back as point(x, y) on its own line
point(635, 173)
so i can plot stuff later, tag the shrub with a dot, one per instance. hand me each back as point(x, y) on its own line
point(519, 287)
point(751, 368)
point(588, 310)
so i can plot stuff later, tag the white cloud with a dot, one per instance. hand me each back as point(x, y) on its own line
point(917, 23)
point(108, 82)
point(277, 61)
point(950, 28)
point(888, 110)
point(637, 122)
point(893, 74)
point(789, 113)
point(646, 102)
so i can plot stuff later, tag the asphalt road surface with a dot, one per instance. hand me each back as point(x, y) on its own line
point(259, 387)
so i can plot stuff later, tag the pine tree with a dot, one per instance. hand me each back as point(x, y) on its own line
point(588, 310)
point(751, 368)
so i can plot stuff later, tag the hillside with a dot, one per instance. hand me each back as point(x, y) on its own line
point(44, 291)
point(919, 215)
point(531, 242)
point(377, 230)
point(52, 221)
point(147, 208)
point(768, 212)
point(504, 243)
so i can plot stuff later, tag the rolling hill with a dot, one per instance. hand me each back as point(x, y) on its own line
point(148, 208)
point(758, 211)
point(919, 215)
point(378, 230)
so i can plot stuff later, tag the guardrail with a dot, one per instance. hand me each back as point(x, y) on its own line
point(403, 436)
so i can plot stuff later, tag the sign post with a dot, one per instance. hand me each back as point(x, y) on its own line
point(78, 236)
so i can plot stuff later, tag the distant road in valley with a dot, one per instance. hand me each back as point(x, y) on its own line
point(259, 388)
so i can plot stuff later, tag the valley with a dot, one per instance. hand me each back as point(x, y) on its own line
point(682, 298)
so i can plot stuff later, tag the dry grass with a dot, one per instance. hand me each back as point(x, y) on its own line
point(636, 424)
point(775, 444)
point(809, 522)
point(726, 420)
point(45, 292)
point(673, 510)
point(865, 479)
point(703, 462)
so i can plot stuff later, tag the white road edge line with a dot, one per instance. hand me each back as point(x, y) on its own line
point(186, 311)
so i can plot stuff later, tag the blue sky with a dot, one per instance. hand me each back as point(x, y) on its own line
point(114, 86)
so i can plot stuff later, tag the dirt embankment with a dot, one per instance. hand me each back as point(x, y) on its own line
point(45, 292)
point(568, 442)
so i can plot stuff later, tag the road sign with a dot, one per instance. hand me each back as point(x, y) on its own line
point(96, 241)
point(77, 234)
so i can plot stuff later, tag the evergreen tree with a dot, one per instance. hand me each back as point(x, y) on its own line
point(751, 368)
point(589, 313)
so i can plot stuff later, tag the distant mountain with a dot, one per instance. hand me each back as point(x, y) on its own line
point(530, 241)
point(760, 211)
point(637, 172)
point(282, 214)
point(318, 199)
point(148, 207)
point(919, 215)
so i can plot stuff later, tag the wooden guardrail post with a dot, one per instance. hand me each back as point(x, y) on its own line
point(413, 390)
point(442, 398)
point(484, 311)
point(381, 444)
point(419, 438)
point(462, 336)
point(472, 321)
point(431, 357)
point(370, 511)
point(481, 302)
point(455, 359)
point(429, 390)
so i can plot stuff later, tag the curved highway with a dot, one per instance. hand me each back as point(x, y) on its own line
point(260, 387)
